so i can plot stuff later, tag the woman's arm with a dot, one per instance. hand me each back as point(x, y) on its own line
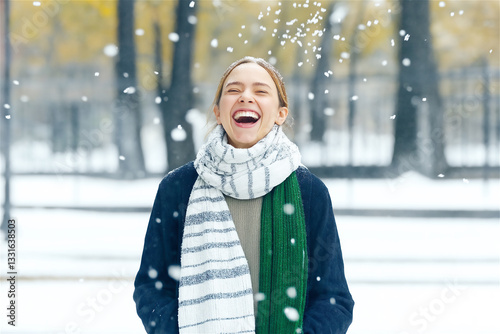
point(155, 291)
point(156, 283)
point(329, 304)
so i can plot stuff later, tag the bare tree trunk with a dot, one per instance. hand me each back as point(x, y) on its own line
point(128, 113)
point(296, 113)
point(351, 87)
point(319, 104)
point(178, 99)
point(418, 90)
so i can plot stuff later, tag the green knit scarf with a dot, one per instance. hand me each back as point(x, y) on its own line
point(283, 260)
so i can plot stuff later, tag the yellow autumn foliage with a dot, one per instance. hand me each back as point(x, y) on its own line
point(61, 32)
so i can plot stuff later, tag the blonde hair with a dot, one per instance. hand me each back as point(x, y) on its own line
point(273, 72)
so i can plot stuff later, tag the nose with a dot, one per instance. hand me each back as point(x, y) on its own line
point(246, 97)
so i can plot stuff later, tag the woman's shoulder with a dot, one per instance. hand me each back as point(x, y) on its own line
point(308, 179)
point(183, 176)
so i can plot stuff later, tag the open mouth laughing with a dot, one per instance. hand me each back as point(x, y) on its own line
point(246, 117)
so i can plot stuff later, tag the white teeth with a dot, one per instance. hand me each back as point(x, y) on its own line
point(246, 114)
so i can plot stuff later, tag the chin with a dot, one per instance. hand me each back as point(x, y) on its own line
point(244, 143)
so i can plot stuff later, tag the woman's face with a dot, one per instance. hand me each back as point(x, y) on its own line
point(249, 105)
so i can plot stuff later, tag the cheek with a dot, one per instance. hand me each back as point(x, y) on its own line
point(225, 107)
point(269, 121)
point(272, 113)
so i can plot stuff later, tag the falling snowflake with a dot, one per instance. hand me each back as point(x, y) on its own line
point(291, 292)
point(152, 273)
point(174, 37)
point(110, 50)
point(178, 134)
point(174, 271)
point(259, 296)
point(291, 313)
point(329, 111)
point(288, 209)
point(129, 90)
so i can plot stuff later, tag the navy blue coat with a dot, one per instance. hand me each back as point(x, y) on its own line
point(329, 303)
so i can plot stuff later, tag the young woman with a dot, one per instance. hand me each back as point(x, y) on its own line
point(243, 239)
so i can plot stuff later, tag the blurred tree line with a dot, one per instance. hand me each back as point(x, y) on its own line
point(69, 53)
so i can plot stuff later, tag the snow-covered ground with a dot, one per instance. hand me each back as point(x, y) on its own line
point(409, 191)
point(407, 275)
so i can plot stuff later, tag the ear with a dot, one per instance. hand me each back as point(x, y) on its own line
point(217, 114)
point(282, 114)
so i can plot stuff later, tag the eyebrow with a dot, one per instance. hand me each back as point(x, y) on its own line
point(238, 83)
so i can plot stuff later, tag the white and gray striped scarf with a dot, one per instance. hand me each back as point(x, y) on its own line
point(215, 290)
